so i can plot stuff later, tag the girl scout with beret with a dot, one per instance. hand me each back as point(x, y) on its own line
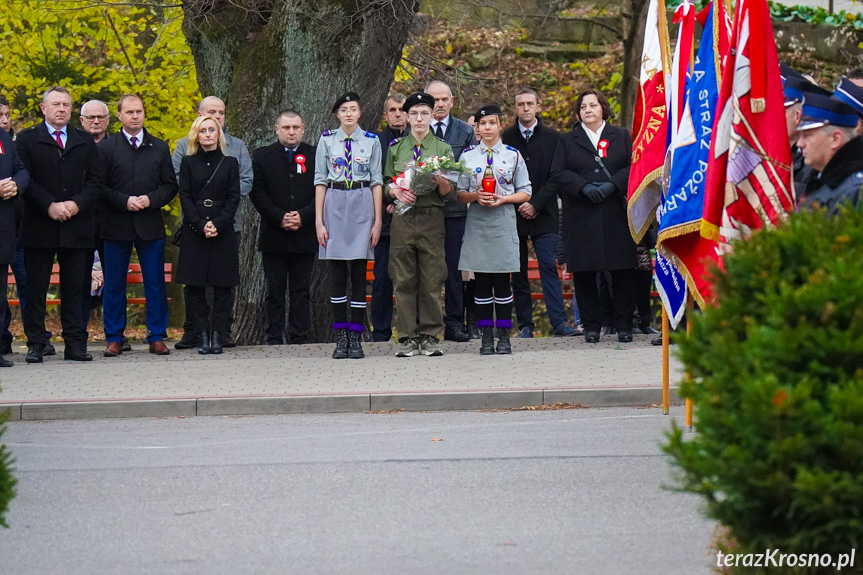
point(348, 217)
point(490, 248)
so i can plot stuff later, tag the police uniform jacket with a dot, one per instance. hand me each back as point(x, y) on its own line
point(280, 186)
point(597, 235)
point(841, 180)
point(538, 154)
point(11, 166)
point(145, 171)
point(803, 174)
point(76, 172)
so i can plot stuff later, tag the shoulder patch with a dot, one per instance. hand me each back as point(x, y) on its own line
point(328, 133)
point(394, 142)
point(371, 135)
point(469, 148)
point(510, 148)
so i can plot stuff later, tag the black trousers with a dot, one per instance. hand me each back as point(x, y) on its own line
point(622, 299)
point(454, 288)
point(4, 305)
point(292, 272)
point(643, 283)
point(73, 273)
point(339, 293)
point(219, 317)
point(381, 312)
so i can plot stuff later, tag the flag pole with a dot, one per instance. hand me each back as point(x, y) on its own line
point(689, 308)
point(665, 384)
point(662, 22)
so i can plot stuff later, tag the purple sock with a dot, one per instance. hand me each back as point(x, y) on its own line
point(481, 323)
point(340, 325)
point(507, 323)
point(356, 327)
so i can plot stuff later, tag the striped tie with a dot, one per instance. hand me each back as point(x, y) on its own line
point(349, 161)
point(417, 153)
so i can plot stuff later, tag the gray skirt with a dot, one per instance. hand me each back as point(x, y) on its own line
point(490, 242)
point(348, 217)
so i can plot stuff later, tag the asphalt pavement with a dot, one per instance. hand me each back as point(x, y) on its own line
point(521, 492)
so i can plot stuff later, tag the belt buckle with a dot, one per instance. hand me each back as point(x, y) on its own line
point(208, 203)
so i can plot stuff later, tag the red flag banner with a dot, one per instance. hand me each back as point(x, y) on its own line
point(749, 170)
point(651, 124)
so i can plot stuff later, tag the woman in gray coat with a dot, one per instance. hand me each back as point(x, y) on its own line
point(496, 179)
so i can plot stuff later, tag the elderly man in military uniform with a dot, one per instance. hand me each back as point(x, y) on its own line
point(417, 262)
point(830, 145)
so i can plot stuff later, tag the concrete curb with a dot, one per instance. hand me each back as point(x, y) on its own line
point(333, 403)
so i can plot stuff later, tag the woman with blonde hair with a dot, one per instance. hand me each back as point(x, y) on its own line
point(209, 252)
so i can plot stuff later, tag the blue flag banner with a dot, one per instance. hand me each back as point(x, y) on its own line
point(683, 203)
point(672, 289)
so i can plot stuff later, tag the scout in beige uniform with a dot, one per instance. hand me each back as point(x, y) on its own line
point(417, 263)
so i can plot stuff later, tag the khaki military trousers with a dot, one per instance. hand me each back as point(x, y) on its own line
point(418, 270)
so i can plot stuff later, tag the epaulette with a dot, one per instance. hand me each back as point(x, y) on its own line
point(510, 148)
point(394, 142)
point(442, 140)
point(469, 148)
point(371, 135)
point(328, 133)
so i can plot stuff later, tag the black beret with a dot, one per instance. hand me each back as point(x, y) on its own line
point(487, 110)
point(418, 99)
point(348, 97)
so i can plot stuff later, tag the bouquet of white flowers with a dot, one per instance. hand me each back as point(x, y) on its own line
point(417, 177)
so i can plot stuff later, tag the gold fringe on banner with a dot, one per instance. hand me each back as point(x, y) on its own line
point(681, 230)
point(709, 231)
point(684, 271)
point(648, 179)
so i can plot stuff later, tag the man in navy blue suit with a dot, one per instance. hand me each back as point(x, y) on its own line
point(14, 180)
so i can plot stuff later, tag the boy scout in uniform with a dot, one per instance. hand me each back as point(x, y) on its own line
point(417, 263)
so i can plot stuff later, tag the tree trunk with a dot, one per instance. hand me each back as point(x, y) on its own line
point(633, 42)
point(261, 57)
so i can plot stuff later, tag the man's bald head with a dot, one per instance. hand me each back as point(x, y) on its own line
point(213, 107)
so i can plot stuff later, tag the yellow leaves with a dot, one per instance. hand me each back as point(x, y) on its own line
point(73, 43)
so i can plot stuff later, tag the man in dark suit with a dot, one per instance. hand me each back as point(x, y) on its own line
point(381, 312)
point(459, 135)
point(140, 180)
point(283, 192)
point(14, 180)
point(67, 178)
point(538, 218)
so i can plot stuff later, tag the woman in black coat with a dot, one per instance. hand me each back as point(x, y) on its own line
point(592, 170)
point(209, 252)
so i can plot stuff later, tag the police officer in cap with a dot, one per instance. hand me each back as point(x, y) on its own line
point(795, 87)
point(830, 144)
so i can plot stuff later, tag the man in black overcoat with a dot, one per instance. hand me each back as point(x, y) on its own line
point(67, 179)
point(538, 218)
point(283, 192)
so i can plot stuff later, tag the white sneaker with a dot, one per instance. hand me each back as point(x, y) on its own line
point(408, 348)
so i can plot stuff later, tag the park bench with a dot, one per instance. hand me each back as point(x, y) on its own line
point(133, 276)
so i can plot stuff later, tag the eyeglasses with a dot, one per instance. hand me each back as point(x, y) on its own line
point(94, 118)
point(425, 115)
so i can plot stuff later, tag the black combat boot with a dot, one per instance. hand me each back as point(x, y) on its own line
point(341, 351)
point(216, 344)
point(503, 345)
point(355, 345)
point(487, 345)
point(205, 342)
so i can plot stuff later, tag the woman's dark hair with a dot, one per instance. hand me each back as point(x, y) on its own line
point(603, 103)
